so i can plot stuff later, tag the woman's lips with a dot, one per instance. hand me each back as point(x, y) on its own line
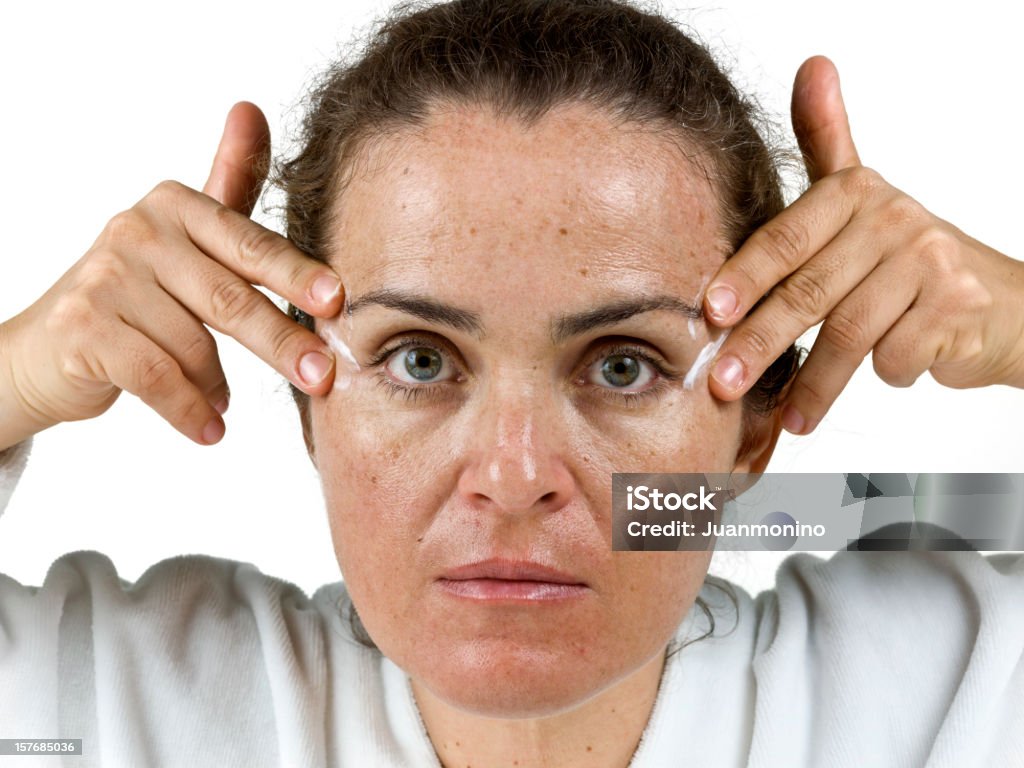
point(515, 580)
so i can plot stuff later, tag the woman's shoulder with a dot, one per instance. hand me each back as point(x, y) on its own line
point(864, 658)
point(917, 652)
point(890, 603)
point(888, 585)
point(94, 567)
point(224, 651)
point(888, 590)
point(219, 599)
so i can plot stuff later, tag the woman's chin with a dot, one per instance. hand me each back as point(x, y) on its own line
point(504, 678)
point(510, 683)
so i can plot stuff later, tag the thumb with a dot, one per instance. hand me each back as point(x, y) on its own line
point(242, 159)
point(819, 119)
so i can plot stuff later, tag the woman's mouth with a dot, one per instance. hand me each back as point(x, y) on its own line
point(502, 580)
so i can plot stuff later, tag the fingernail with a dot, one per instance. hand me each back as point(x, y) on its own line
point(325, 288)
point(313, 367)
point(729, 372)
point(723, 301)
point(213, 431)
point(792, 419)
point(222, 406)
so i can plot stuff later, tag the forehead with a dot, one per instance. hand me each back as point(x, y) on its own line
point(573, 202)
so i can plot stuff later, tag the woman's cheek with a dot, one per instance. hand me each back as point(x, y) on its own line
point(382, 465)
point(683, 431)
point(388, 466)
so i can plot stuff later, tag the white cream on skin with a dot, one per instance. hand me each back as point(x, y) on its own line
point(703, 362)
point(346, 364)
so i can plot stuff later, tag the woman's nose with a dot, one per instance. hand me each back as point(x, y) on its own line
point(517, 462)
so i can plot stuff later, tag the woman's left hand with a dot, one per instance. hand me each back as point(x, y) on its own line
point(883, 273)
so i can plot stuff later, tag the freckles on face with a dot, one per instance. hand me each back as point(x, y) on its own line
point(518, 302)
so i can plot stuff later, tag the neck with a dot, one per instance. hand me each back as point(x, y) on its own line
point(602, 732)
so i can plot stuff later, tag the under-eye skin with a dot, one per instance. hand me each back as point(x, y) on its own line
point(613, 373)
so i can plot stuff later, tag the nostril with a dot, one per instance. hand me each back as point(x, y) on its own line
point(549, 496)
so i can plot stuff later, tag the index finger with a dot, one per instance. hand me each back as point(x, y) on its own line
point(257, 254)
point(782, 245)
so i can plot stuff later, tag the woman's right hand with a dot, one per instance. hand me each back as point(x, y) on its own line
point(131, 314)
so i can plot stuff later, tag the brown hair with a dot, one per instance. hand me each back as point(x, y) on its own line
point(522, 58)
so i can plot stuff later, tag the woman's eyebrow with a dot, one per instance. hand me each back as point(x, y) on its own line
point(562, 328)
point(422, 307)
point(574, 324)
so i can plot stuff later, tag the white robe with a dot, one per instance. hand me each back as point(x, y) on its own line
point(867, 659)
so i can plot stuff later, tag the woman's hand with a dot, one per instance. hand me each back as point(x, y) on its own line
point(130, 314)
point(882, 272)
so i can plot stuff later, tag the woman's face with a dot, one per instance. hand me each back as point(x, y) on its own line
point(504, 285)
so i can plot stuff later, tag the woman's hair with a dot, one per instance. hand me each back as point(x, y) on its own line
point(521, 59)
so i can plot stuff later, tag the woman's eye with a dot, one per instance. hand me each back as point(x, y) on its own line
point(418, 365)
point(623, 372)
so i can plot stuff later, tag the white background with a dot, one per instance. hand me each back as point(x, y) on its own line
point(100, 101)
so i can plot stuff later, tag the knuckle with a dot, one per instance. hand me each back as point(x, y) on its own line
point(845, 334)
point(298, 274)
point(257, 247)
point(890, 366)
point(232, 300)
point(102, 268)
point(71, 313)
point(156, 374)
point(803, 294)
point(951, 273)
point(225, 217)
point(901, 210)
point(189, 409)
point(168, 189)
point(861, 181)
point(807, 393)
point(283, 341)
point(199, 352)
point(757, 342)
point(939, 250)
point(781, 241)
point(130, 228)
point(217, 391)
point(77, 366)
point(969, 294)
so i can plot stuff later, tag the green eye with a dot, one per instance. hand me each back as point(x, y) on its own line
point(620, 370)
point(624, 371)
point(422, 363)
